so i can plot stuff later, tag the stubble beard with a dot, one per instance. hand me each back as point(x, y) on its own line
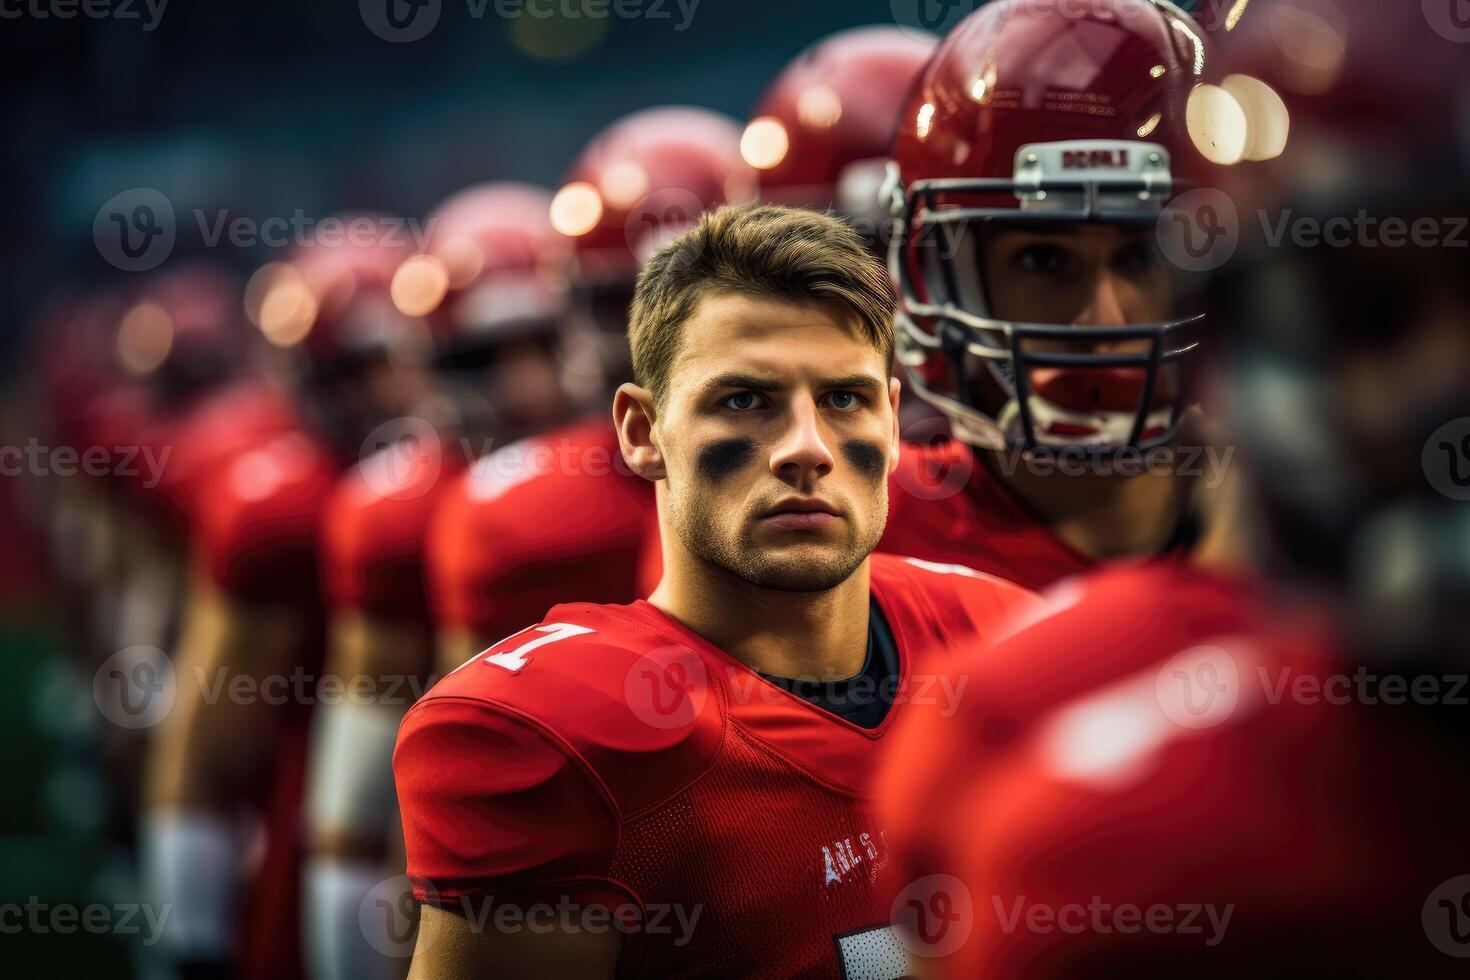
point(792, 569)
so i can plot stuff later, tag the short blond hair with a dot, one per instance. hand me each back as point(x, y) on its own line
point(761, 250)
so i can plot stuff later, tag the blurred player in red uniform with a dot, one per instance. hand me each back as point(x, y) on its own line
point(1187, 772)
point(676, 786)
point(1031, 161)
point(250, 645)
point(170, 342)
point(491, 284)
point(182, 338)
point(560, 516)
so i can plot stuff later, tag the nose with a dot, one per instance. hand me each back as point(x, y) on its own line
point(1104, 307)
point(800, 456)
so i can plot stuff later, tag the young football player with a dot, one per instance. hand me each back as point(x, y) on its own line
point(678, 785)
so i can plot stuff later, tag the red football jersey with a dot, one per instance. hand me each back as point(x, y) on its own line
point(612, 758)
point(260, 509)
point(222, 425)
point(375, 532)
point(540, 521)
point(945, 506)
point(1172, 777)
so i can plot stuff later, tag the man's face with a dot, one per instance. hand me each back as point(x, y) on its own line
point(523, 386)
point(1084, 275)
point(777, 433)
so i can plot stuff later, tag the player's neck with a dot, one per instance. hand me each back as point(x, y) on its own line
point(1101, 516)
point(821, 635)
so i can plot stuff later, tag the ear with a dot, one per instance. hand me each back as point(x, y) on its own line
point(893, 446)
point(633, 415)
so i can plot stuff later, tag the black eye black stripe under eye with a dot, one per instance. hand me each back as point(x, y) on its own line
point(720, 459)
point(866, 457)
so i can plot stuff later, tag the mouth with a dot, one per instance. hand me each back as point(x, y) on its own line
point(801, 514)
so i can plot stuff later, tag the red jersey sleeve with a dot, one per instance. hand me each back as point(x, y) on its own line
point(491, 800)
point(258, 521)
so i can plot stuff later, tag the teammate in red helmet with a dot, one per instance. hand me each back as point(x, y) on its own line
point(1206, 773)
point(1034, 157)
point(677, 785)
point(250, 645)
point(491, 286)
point(559, 515)
point(820, 135)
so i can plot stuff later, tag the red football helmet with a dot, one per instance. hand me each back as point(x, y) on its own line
point(492, 284)
point(183, 331)
point(643, 181)
point(820, 135)
point(331, 298)
point(493, 268)
point(1033, 120)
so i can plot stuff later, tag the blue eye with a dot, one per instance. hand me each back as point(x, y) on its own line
point(845, 401)
point(743, 402)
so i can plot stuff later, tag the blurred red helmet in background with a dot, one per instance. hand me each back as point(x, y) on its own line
point(331, 298)
point(820, 135)
point(184, 330)
point(494, 269)
point(643, 181)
